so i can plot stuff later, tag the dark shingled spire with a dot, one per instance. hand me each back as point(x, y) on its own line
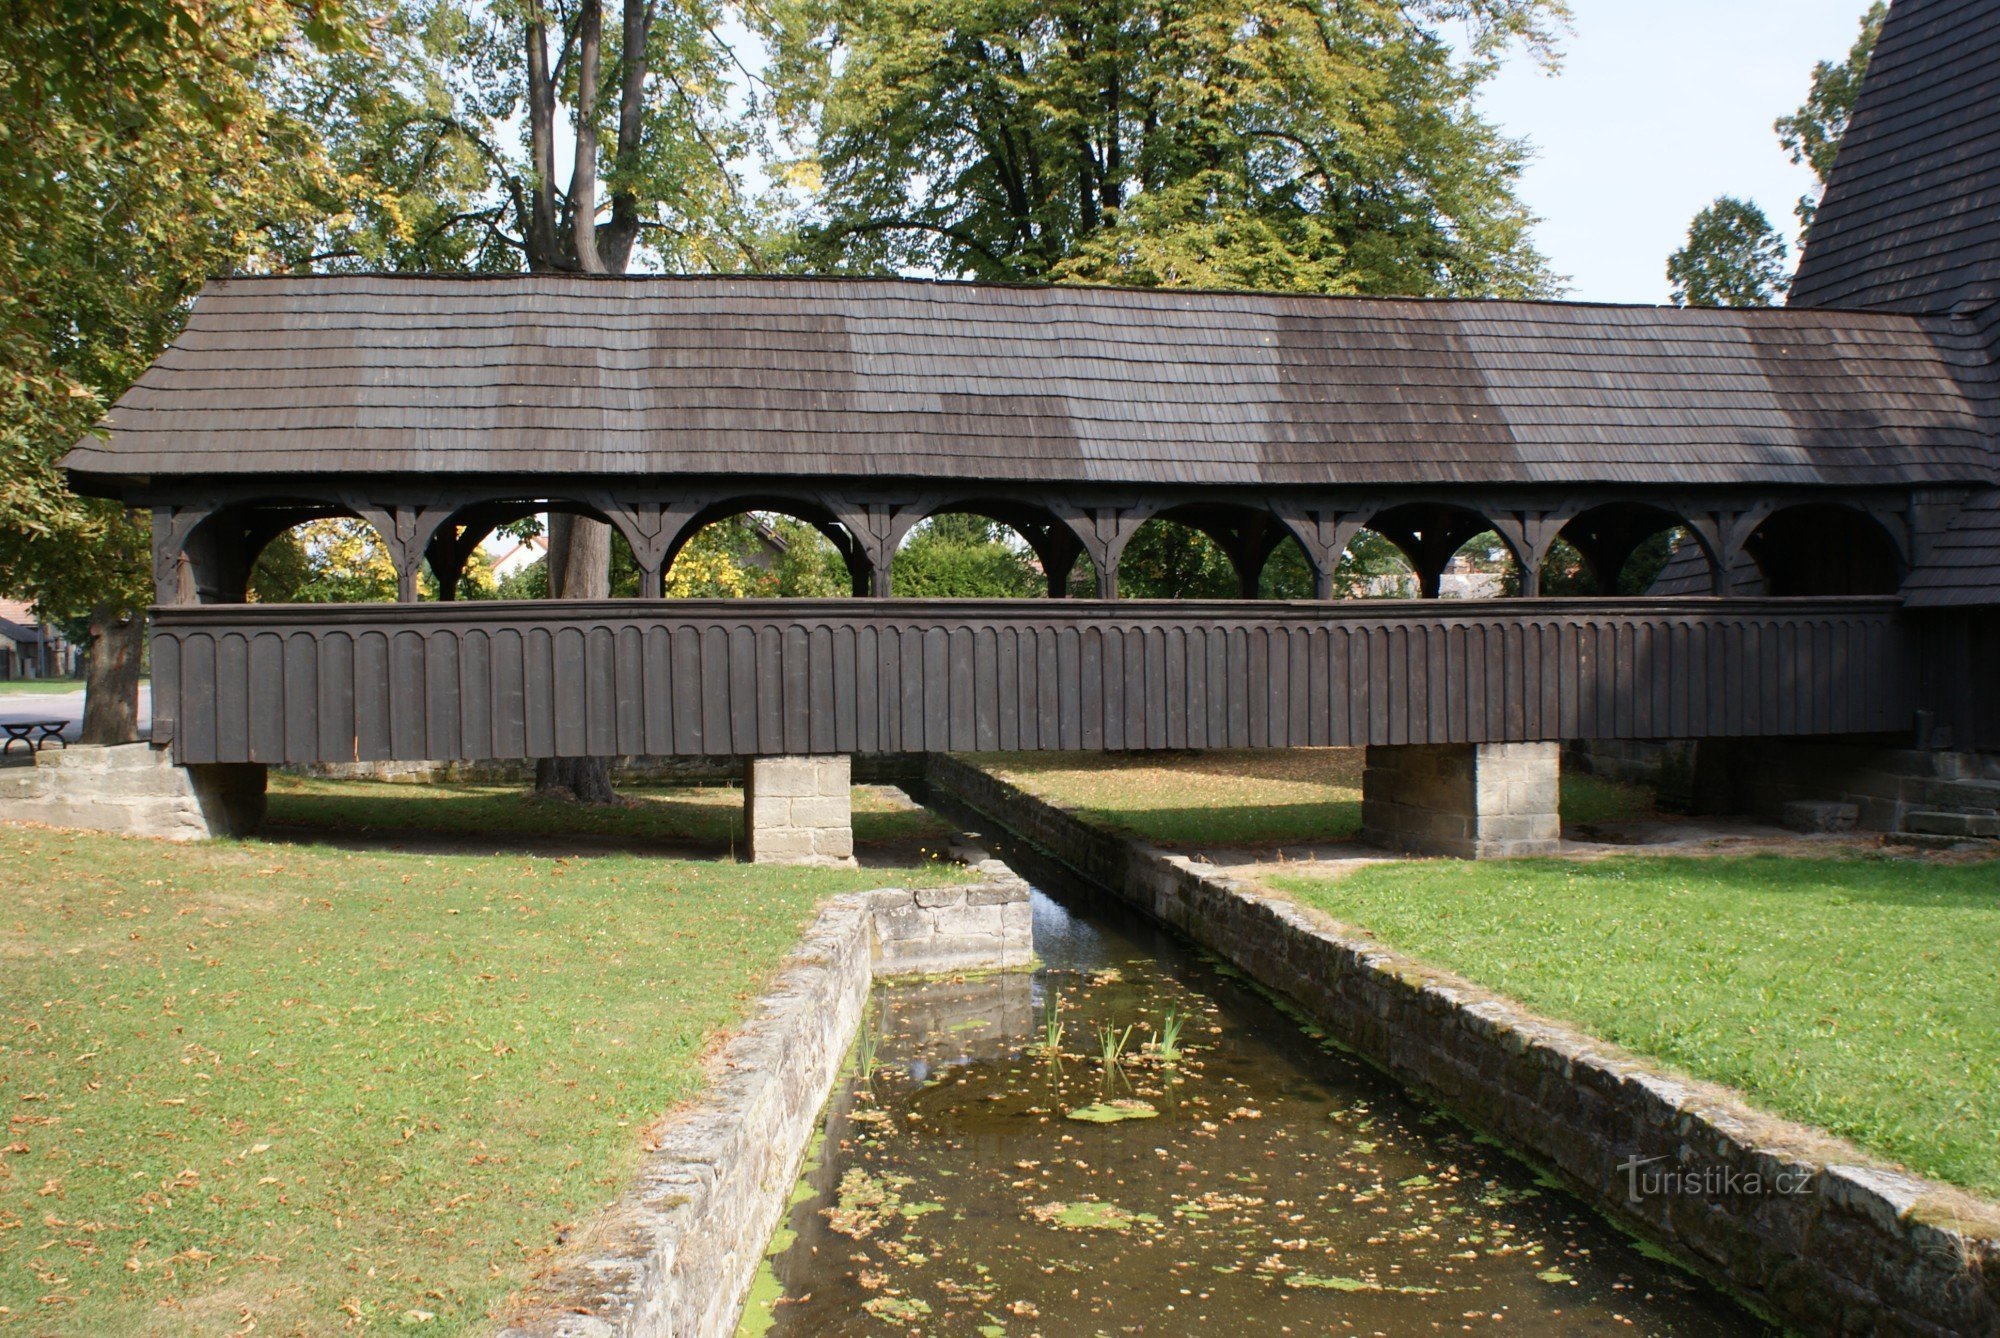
point(1911, 218)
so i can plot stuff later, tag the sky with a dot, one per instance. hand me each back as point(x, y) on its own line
point(1659, 107)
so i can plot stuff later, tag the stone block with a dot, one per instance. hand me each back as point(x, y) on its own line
point(821, 811)
point(780, 845)
point(764, 810)
point(834, 845)
point(974, 920)
point(1985, 826)
point(903, 924)
point(834, 776)
point(784, 777)
point(1819, 815)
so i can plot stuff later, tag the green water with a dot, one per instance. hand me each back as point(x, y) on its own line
point(1263, 1183)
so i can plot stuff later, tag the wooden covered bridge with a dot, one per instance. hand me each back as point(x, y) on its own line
point(1829, 467)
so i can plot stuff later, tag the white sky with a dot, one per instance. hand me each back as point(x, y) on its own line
point(1660, 106)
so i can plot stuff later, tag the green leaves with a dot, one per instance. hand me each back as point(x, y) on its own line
point(1813, 133)
point(1733, 258)
point(137, 160)
point(1304, 146)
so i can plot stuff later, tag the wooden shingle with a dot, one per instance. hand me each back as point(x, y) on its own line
point(885, 378)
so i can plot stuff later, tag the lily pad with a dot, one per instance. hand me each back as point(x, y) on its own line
point(1112, 1112)
point(1090, 1215)
point(902, 1309)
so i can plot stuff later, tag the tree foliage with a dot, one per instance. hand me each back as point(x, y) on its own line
point(1813, 133)
point(137, 158)
point(1315, 145)
point(1733, 258)
point(966, 557)
point(444, 136)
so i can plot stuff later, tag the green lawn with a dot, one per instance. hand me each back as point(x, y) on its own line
point(711, 816)
point(38, 687)
point(315, 1088)
point(1252, 797)
point(1859, 995)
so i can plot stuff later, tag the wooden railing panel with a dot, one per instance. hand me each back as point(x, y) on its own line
point(272, 683)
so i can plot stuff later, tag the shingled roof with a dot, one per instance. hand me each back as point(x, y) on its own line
point(1911, 218)
point(880, 377)
point(1963, 567)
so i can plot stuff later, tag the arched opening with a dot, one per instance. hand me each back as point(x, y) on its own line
point(499, 550)
point(1620, 549)
point(1823, 548)
point(1168, 559)
point(766, 548)
point(1456, 553)
point(982, 550)
point(286, 552)
point(335, 559)
point(1214, 552)
point(1372, 567)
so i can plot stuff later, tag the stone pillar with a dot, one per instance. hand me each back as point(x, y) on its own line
point(800, 810)
point(1463, 801)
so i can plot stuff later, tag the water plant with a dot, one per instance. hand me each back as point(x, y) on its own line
point(867, 1044)
point(1111, 1044)
point(1167, 1040)
point(1052, 1026)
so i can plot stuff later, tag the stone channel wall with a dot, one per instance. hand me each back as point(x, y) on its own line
point(675, 1256)
point(1853, 1246)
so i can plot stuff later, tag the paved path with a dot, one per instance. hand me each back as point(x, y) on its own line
point(64, 706)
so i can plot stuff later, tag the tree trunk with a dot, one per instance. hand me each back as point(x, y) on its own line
point(579, 568)
point(111, 684)
point(541, 232)
point(583, 172)
point(579, 547)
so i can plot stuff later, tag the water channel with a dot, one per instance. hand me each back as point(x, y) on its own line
point(974, 1179)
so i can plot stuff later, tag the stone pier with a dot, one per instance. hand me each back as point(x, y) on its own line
point(1463, 801)
point(134, 789)
point(800, 810)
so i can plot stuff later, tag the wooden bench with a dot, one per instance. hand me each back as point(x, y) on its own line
point(24, 731)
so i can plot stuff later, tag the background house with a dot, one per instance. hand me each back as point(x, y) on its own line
point(30, 648)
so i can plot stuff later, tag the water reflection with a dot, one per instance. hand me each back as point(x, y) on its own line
point(977, 1179)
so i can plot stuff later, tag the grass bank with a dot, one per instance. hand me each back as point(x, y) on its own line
point(1185, 801)
point(318, 1089)
point(688, 815)
point(1855, 994)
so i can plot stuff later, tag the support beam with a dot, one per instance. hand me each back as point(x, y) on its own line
point(1463, 800)
point(800, 810)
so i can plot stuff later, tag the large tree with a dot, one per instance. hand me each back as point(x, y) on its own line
point(136, 159)
point(1812, 134)
point(546, 135)
point(1315, 145)
point(1733, 257)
